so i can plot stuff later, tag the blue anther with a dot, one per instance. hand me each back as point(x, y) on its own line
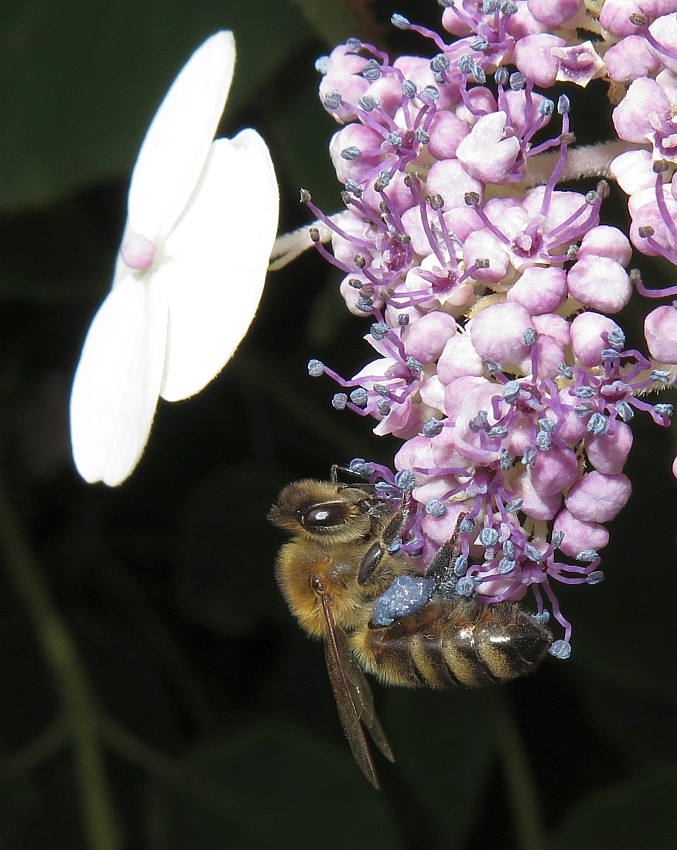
point(595, 577)
point(563, 104)
point(461, 565)
point(432, 427)
point(617, 339)
point(332, 101)
point(351, 152)
point(405, 479)
point(625, 411)
point(409, 89)
point(511, 391)
point(597, 424)
point(322, 64)
point(379, 329)
point(543, 441)
point(556, 539)
point(368, 102)
point(488, 537)
point(584, 392)
point(371, 70)
point(359, 397)
point(339, 401)
point(512, 507)
point(433, 507)
point(400, 22)
point(497, 432)
point(533, 553)
point(440, 62)
point(560, 649)
point(465, 586)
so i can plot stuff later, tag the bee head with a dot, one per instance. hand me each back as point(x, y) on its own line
point(320, 509)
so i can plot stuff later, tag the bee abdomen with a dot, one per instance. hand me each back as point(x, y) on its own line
point(450, 643)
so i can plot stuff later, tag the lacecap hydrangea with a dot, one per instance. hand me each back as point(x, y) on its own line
point(490, 292)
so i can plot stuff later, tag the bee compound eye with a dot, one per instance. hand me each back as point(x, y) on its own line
point(324, 515)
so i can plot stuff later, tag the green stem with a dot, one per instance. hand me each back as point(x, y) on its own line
point(121, 587)
point(519, 780)
point(196, 783)
point(46, 744)
point(168, 770)
point(78, 702)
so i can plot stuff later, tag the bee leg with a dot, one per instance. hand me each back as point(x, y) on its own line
point(441, 566)
point(338, 469)
point(334, 474)
point(370, 562)
point(377, 550)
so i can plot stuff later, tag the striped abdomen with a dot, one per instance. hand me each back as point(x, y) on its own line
point(453, 642)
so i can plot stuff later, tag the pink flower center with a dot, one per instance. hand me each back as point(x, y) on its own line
point(137, 252)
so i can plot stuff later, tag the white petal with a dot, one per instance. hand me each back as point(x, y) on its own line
point(216, 262)
point(173, 153)
point(115, 390)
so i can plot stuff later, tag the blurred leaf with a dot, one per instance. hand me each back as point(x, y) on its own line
point(65, 232)
point(624, 631)
point(444, 744)
point(36, 809)
point(125, 679)
point(639, 725)
point(336, 21)
point(304, 131)
point(224, 579)
point(22, 665)
point(81, 81)
point(329, 321)
point(283, 789)
point(639, 812)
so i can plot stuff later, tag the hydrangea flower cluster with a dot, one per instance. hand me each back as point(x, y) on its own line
point(491, 292)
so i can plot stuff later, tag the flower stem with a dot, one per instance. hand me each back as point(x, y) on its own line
point(46, 744)
point(61, 655)
point(519, 781)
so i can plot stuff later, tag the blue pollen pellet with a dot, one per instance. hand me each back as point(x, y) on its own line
point(405, 596)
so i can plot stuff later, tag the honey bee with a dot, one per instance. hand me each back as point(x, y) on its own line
point(339, 562)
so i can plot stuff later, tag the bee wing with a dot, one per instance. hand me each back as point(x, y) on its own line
point(353, 699)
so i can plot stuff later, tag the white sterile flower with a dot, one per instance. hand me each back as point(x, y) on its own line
point(202, 218)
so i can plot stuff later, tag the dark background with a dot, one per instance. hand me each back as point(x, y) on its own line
point(150, 675)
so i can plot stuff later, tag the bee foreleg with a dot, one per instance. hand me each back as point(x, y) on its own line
point(374, 555)
point(357, 478)
point(441, 566)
